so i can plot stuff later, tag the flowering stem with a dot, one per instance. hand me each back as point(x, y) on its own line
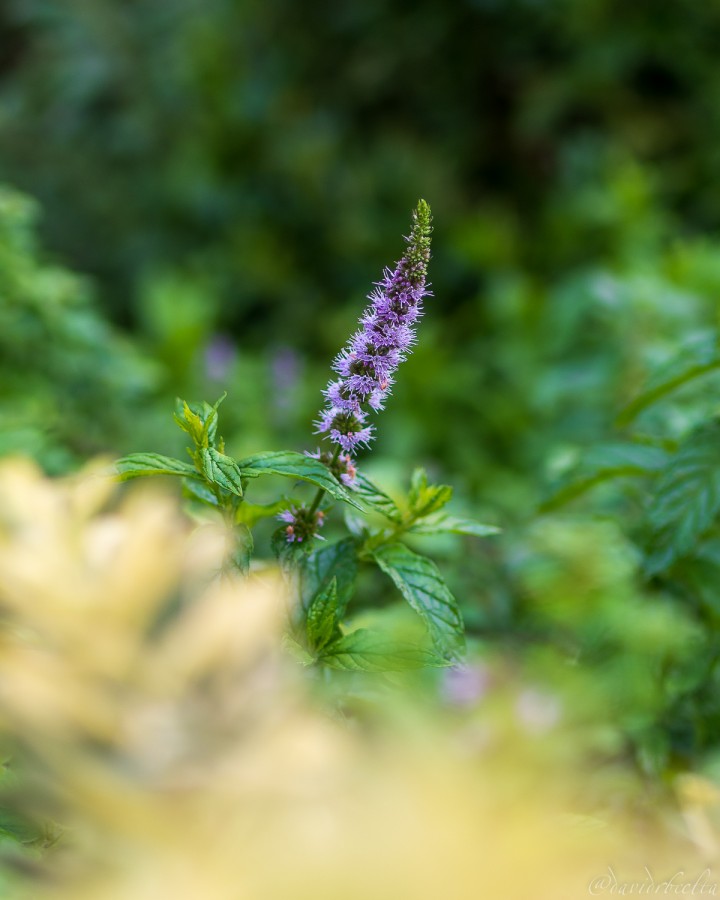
point(367, 363)
point(321, 491)
point(366, 367)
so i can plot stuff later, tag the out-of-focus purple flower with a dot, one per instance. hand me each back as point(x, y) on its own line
point(366, 365)
point(537, 711)
point(342, 467)
point(302, 524)
point(285, 369)
point(465, 685)
point(220, 354)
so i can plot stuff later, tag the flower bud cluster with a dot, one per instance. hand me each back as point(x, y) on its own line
point(302, 524)
point(342, 465)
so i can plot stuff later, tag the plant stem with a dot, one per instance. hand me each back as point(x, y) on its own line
point(321, 491)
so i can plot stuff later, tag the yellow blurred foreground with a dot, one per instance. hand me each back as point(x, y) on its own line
point(151, 713)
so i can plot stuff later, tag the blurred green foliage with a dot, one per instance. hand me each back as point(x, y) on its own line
point(276, 148)
point(72, 387)
point(244, 169)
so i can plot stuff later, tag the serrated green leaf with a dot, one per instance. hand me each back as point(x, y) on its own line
point(330, 562)
point(425, 498)
point(199, 420)
point(376, 499)
point(209, 431)
point(221, 470)
point(433, 499)
point(137, 465)
point(208, 415)
point(290, 464)
point(322, 616)
point(368, 651)
point(445, 524)
point(602, 463)
point(686, 499)
point(424, 588)
point(696, 359)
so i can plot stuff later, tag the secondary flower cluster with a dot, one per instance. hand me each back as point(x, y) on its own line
point(340, 464)
point(302, 523)
point(366, 367)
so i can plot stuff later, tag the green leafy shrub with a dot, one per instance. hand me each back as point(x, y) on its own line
point(72, 385)
point(661, 484)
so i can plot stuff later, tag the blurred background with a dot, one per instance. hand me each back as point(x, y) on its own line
point(198, 195)
point(229, 177)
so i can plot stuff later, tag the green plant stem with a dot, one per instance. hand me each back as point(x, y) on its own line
point(321, 491)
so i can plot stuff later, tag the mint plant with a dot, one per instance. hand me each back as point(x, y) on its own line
point(322, 574)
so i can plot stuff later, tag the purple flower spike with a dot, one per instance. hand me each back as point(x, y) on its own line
point(367, 363)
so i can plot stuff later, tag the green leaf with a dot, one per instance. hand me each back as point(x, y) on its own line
point(251, 513)
point(221, 470)
point(376, 499)
point(686, 499)
point(290, 464)
point(322, 616)
point(18, 827)
point(209, 417)
point(199, 420)
point(424, 588)
point(425, 498)
point(297, 651)
point(190, 422)
point(209, 429)
point(137, 465)
point(200, 491)
point(444, 524)
point(696, 359)
point(602, 463)
point(243, 550)
point(368, 651)
point(331, 562)
point(700, 574)
point(355, 524)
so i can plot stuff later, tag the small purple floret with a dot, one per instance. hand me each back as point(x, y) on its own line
point(465, 685)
